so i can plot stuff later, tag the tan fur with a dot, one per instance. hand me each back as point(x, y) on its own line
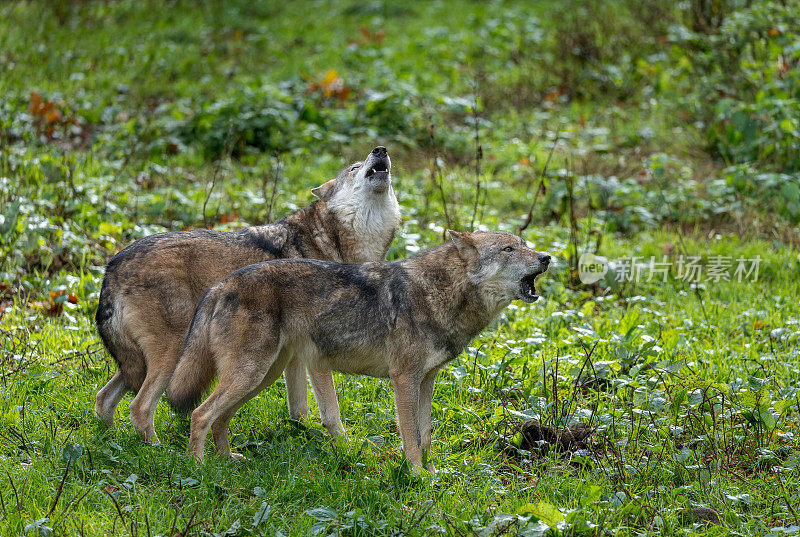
point(151, 288)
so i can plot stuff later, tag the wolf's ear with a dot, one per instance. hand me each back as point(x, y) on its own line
point(465, 244)
point(325, 191)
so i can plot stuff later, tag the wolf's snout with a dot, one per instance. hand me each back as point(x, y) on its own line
point(377, 167)
point(544, 259)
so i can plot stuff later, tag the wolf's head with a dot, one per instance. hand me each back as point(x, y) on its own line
point(360, 179)
point(500, 265)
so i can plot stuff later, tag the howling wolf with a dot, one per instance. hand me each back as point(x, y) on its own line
point(402, 320)
point(151, 288)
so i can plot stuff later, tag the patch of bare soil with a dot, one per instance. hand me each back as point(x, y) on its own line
point(539, 439)
point(701, 514)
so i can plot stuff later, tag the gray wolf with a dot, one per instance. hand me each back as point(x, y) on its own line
point(151, 288)
point(402, 320)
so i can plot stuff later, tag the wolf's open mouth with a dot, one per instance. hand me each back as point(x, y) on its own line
point(381, 168)
point(527, 288)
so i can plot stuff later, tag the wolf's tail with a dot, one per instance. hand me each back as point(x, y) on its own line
point(196, 366)
point(126, 353)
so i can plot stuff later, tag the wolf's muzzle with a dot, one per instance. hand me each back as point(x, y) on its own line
point(378, 165)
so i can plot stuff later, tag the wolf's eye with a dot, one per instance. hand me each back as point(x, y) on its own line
point(508, 249)
point(354, 168)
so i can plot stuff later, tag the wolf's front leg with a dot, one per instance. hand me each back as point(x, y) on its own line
point(328, 403)
point(406, 397)
point(296, 389)
point(425, 401)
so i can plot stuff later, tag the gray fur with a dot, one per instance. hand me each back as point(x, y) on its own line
point(402, 321)
point(151, 288)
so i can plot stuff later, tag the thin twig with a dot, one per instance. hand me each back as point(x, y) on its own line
point(60, 489)
point(74, 503)
point(226, 153)
point(421, 516)
point(478, 155)
point(540, 189)
point(436, 176)
point(189, 524)
point(14, 488)
point(786, 499)
point(275, 176)
point(577, 379)
point(3, 504)
point(573, 221)
point(116, 504)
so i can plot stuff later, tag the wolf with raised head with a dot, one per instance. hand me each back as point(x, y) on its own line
point(151, 288)
point(402, 320)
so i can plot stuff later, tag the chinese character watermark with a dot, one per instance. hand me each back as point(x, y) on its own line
point(692, 269)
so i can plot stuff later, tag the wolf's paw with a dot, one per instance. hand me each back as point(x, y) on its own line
point(106, 420)
point(422, 471)
point(238, 457)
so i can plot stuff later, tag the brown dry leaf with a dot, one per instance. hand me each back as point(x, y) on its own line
point(35, 105)
point(54, 309)
point(53, 116)
point(552, 96)
point(232, 217)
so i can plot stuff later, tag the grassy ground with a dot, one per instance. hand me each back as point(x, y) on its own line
point(624, 129)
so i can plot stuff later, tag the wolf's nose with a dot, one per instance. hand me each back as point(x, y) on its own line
point(379, 151)
point(544, 259)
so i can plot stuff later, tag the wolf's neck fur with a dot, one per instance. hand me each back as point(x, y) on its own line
point(460, 305)
point(369, 219)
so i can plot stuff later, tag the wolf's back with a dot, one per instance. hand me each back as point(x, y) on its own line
point(196, 368)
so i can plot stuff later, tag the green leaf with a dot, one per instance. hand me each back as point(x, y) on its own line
point(72, 452)
point(459, 372)
point(788, 125)
point(234, 530)
point(678, 400)
point(790, 190)
point(782, 405)
point(768, 419)
point(322, 514)
point(108, 229)
point(592, 495)
point(262, 514)
point(543, 511)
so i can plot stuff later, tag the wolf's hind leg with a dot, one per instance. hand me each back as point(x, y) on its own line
point(143, 406)
point(296, 390)
point(242, 377)
point(109, 397)
point(328, 403)
point(219, 428)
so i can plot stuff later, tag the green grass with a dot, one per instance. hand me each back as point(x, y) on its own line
point(692, 391)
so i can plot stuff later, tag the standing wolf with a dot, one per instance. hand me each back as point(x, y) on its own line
point(151, 288)
point(402, 320)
